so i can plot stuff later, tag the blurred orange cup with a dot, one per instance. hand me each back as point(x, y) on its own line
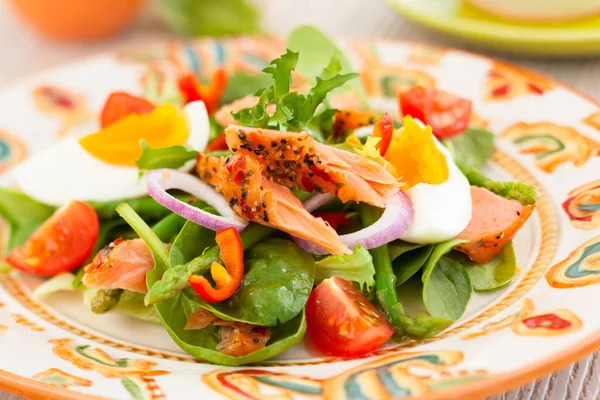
point(77, 19)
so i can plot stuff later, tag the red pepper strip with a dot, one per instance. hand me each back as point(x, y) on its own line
point(121, 104)
point(384, 129)
point(335, 219)
point(227, 280)
point(218, 143)
point(210, 95)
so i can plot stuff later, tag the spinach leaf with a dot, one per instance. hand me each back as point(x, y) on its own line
point(399, 247)
point(497, 273)
point(164, 157)
point(356, 267)
point(278, 279)
point(447, 290)
point(317, 49)
point(191, 241)
point(241, 85)
point(23, 214)
point(175, 311)
point(473, 148)
point(438, 251)
point(410, 262)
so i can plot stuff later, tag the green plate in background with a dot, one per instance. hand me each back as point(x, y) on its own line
point(566, 39)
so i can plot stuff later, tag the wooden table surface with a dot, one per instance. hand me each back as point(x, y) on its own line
point(24, 54)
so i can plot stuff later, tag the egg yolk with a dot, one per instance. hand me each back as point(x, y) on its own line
point(119, 143)
point(415, 156)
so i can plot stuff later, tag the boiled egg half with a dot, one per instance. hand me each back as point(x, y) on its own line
point(102, 166)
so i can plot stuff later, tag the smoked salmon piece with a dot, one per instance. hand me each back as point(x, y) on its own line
point(259, 199)
point(208, 168)
point(120, 265)
point(239, 339)
point(494, 222)
point(297, 160)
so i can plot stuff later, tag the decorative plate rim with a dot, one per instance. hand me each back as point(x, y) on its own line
point(489, 386)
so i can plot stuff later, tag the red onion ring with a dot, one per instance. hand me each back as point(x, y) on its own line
point(317, 201)
point(395, 220)
point(161, 180)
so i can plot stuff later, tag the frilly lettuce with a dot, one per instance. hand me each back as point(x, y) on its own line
point(356, 267)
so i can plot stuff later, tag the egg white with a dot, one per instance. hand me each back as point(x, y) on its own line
point(441, 211)
point(66, 171)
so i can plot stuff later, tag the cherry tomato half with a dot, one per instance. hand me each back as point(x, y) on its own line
point(61, 244)
point(342, 322)
point(121, 104)
point(448, 115)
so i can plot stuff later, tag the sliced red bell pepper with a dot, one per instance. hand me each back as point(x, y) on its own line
point(218, 143)
point(210, 95)
point(384, 129)
point(121, 104)
point(335, 219)
point(227, 279)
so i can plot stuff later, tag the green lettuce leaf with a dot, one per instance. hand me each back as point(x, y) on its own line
point(241, 85)
point(473, 148)
point(209, 17)
point(164, 157)
point(495, 274)
point(23, 214)
point(356, 267)
point(294, 111)
point(316, 49)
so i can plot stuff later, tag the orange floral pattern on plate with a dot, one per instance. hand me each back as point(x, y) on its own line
point(551, 144)
point(387, 377)
point(69, 107)
point(526, 322)
point(136, 376)
point(61, 379)
point(583, 206)
point(505, 83)
point(580, 268)
point(12, 151)
point(428, 55)
point(593, 120)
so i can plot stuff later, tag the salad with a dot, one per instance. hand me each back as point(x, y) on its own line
point(252, 210)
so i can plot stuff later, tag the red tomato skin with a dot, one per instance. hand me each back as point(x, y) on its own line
point(60, 244)
point(342, 322)
point(448, 115)
point(121, 104)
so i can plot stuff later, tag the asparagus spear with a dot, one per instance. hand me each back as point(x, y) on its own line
point(105, 300)
point(385, 290)
point(524, 194)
